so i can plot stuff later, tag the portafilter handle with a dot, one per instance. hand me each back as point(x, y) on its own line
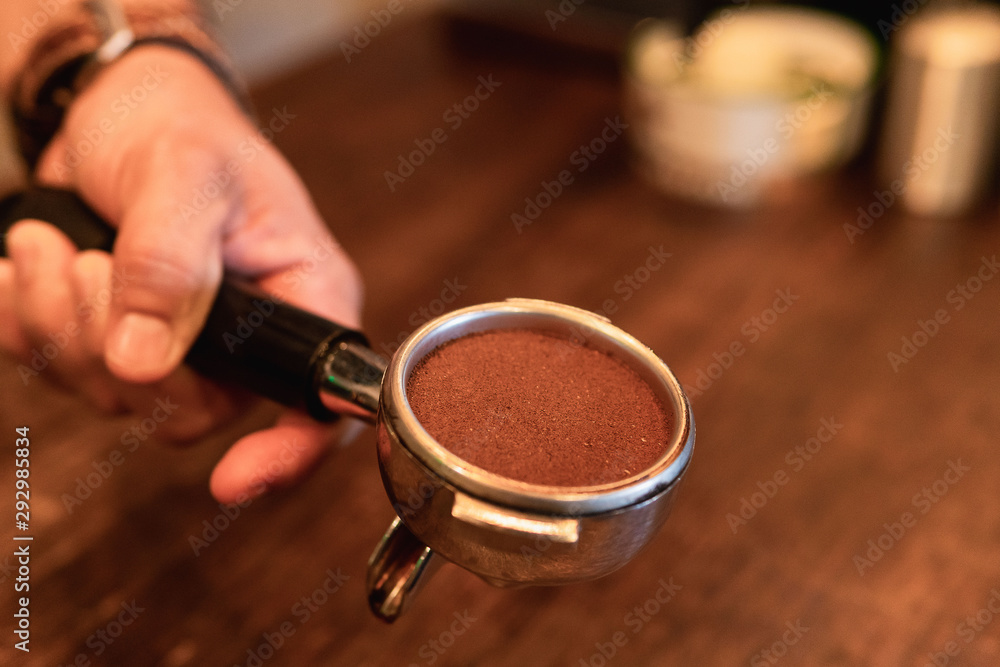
point(251, 339)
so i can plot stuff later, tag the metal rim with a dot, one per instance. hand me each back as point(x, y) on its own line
point(545, 315)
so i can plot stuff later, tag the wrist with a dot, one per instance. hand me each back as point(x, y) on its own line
point(151, 80)
point(87, 36)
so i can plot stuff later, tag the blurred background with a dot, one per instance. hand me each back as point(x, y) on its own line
point(267, 37)
point(825, 185)
point(715, 83)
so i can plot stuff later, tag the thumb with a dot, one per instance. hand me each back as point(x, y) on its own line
point(168, 257)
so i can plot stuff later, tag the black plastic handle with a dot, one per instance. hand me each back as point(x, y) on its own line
point(251, 339)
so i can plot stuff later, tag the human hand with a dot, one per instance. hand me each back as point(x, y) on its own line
point(158, 147)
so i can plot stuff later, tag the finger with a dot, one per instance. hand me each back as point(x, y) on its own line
point(47, 307)
point(301, 263)
point(43, 298)
point(325, 281)
point(169, 253)
point(12, 338)
point(41, 255)
point(273, 458)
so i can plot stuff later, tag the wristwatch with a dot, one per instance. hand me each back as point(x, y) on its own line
point(91, 36)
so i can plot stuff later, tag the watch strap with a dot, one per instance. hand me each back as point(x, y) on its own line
point(68, 56)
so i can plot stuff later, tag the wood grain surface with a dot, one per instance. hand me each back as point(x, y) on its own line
point(870, 525)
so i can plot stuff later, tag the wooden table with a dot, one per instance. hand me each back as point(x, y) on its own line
point(839, 511)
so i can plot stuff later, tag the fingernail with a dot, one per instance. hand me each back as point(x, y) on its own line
point(140, 345)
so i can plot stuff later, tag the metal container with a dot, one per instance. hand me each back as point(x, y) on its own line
point(939, 142)
point(509, 532)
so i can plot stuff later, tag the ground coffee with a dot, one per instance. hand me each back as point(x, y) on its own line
point(537, 408)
